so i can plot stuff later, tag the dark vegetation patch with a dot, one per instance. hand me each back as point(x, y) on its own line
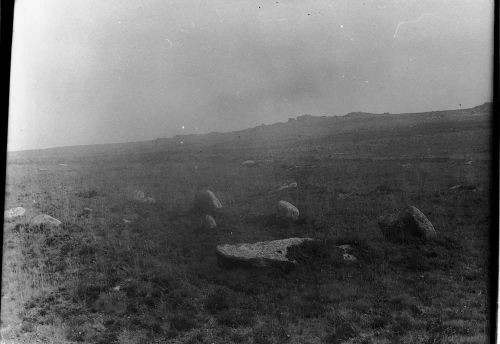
point(317, 254)
point(384, 189)
point(89, 193)
point(339, 329)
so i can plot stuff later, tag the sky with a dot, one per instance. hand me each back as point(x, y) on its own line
point(93, 71)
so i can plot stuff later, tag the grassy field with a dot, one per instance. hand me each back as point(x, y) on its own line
point(154, 278)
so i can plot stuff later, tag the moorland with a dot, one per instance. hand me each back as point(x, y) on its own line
point(146, 272)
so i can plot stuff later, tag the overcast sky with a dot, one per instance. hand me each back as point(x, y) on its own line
point(95, 71)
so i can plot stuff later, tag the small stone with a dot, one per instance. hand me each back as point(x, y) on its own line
point(341, 195)
point(248, 163)
point(140, 196)
point(288, 186)
point(349, 257)
point(287, 210)
point(206, 202)
point(209, 222)
point(14, 212)
point(345, 247)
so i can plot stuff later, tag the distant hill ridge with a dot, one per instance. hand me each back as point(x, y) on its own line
point(295, 130)
point(313, 126)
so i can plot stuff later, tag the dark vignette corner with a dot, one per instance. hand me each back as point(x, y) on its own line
point(7, 19)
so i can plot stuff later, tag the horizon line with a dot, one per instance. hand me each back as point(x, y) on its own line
point(232, 131)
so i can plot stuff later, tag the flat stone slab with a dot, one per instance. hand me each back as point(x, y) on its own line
point(13, 213)
point(261, 254)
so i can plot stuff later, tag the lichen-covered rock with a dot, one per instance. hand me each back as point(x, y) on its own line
point(206, 202)
point(260, 254)
point(287, 210)
point(410, 223)
point(44, 220)
point(13, 213)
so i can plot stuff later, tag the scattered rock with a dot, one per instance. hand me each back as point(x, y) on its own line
point(464, 187)
point(87, 211)
point(206, 202)
point(468, 162)
point(117, 288)
point(288, 186)
point(260, 254)
point(129, 217)
point(346, 248)
point(341, 195)
point(248, 163)
point(349, 257)
point(287, 210)
point(209, 222)
point(139, 196)
point(410, 223)
point(13, 213)
point(44, 220)
point(301, 166)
